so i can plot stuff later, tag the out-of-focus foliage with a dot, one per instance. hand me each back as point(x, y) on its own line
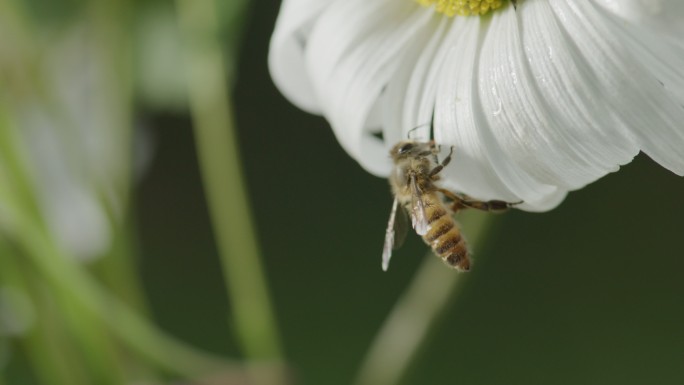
point(74, 76)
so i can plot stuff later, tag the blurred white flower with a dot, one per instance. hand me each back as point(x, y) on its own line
point(537, 101)
point(73, 130)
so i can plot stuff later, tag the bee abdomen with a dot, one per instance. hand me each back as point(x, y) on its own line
point(446, 241)
point(435, 214)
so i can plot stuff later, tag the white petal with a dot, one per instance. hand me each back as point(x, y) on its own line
point(410, 95)
point(479, 168)
point(287, 49)
point(632, 10)
point(542, 110)
point(664, 57)
point(547, 203)
point(637, 99)
point(458, 121)
point(669, 20)
point(663, 16)
point(355, 49)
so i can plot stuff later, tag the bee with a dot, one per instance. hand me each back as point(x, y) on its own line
point(430, 207)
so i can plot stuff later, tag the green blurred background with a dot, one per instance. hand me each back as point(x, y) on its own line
point(589, 293)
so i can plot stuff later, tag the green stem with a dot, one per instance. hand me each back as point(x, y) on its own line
point(124, 323)
point(224, 183)
point(408, 324)
point(56, 359)
point(111, 23)
point(53, 356)
point(97, 350)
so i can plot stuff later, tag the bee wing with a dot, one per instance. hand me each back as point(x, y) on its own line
point(418, 216)
point(401, 227)
point(395, 233)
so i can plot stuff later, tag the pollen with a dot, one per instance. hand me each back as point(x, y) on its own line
point(463, 7)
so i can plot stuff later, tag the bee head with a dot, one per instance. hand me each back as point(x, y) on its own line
point(410, 149)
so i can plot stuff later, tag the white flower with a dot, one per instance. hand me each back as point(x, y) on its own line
point(537, 101)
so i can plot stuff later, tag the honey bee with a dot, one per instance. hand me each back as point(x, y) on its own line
point(431, 208)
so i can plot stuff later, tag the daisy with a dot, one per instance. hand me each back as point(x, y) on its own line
point(537, 98)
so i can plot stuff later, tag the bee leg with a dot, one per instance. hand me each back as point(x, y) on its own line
point(435, 150)
point(440, 166)
point(464, 201)
point(493, 206)
point(456, 200)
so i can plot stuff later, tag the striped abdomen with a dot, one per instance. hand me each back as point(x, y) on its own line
point(443, 234)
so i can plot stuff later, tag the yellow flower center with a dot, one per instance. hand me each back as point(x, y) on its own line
point(463, 7)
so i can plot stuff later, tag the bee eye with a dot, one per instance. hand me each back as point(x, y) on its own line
point(405, 148)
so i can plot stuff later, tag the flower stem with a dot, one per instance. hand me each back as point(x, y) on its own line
point(224, 183)
point(409, 323)
point(39, 338)
point(133, 330)
point(110, 24)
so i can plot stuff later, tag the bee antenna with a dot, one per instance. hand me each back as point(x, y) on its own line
point(411, 131)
